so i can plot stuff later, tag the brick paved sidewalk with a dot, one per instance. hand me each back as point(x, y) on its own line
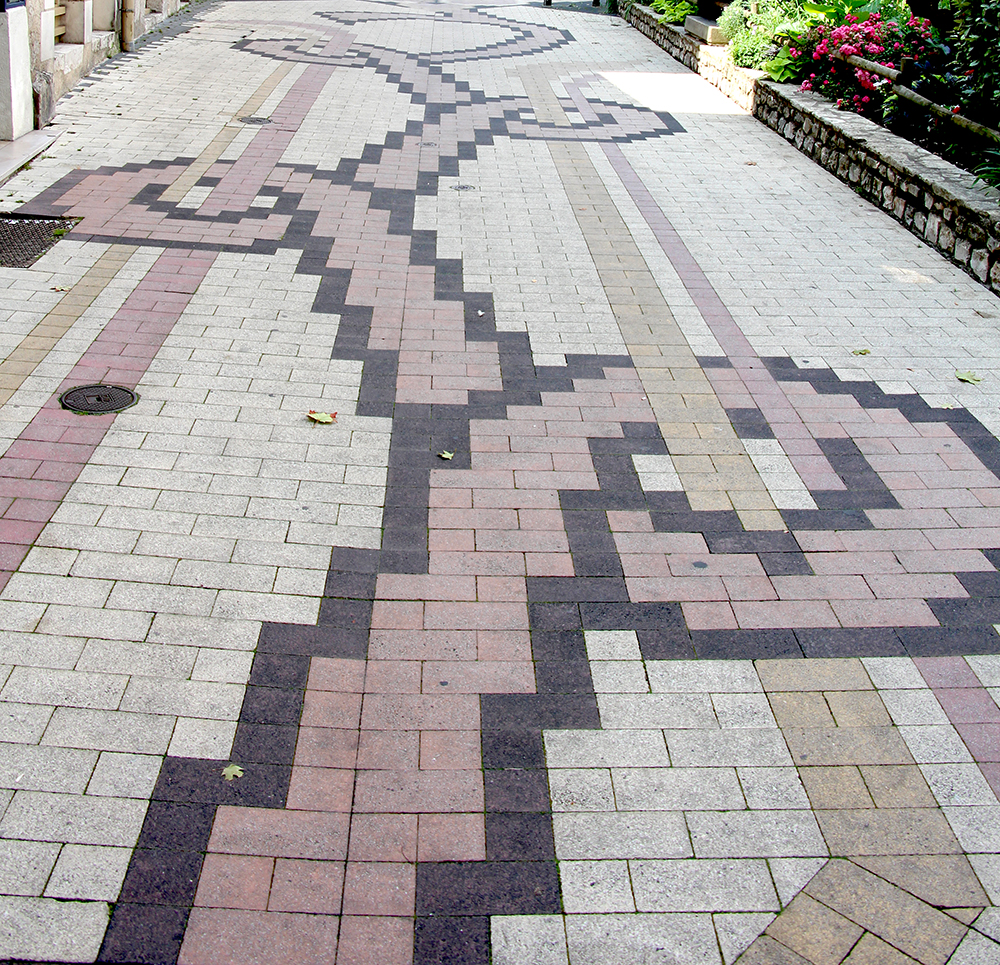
point(623, 615)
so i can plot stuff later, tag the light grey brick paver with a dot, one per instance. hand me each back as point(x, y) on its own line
point(751, 834)
point(612, 644)
point(73, 818)
point(728, 748)
point(988, 923)
point(987, 868)
point(68, 931)
point(976, 949)
point(25, 866)
point(977, 828)
point(128, 657)
point(23, 723)
point(791, 875)
point(986, 668)
point(591, 887)
point(187, 698)
point(772, 788)
point(582, 789)
point(703, 885)
point(621, 834)
point(204, 632)
point(702, 676)
point(737, 930)
point(37, 650)
point(743, 710)
point(198, 737)
point(935, 744)
point(125, 775)
point(646, 711)
point(913, 707)
point(631, 748)
point(627, 939)
point(222, 666)
point(677, 789)
point(88, 873)
point(958, 785)
point(97, 691)
point(111, 730)
point(516, 939)
point(107, 624)
point(619, 676)
point(36, 768)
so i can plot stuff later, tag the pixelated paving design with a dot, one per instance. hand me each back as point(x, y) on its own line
point(503, 702)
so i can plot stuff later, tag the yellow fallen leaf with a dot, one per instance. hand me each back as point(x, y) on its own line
point(444, 454)
point(969, 377)
point(861, 351)
point(231, 771)
point(323, 417)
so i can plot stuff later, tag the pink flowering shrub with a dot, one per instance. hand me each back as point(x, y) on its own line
point(882, 41)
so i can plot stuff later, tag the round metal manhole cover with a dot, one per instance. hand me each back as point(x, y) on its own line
point(98, 399)
point(250, 119)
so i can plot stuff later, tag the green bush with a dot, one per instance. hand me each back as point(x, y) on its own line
point(733, 20)
point(989, 169)
point(976, 51)
point(674, 11)
point(764, 16)
point(753, 48)
point(750, 26)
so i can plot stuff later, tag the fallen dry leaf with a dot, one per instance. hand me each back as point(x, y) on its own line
point(444, 454)
point(969, 377)
point(231, 771)
point(322, 417)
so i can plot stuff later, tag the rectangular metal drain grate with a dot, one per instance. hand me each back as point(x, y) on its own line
point(24, 240)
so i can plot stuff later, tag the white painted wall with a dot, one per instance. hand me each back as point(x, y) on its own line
point(16, 115)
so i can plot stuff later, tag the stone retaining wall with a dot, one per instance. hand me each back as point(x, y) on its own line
point(937, 201)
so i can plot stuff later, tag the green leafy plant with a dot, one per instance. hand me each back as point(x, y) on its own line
point(751, 49)
point(674, 11)
point(751, 26)
point(783, 67)
point(838, 11)
point(988, 171)
point(976, 43)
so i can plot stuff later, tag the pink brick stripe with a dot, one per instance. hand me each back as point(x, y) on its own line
point(243, 181)
point(43, 462)
point(751, 378)
point(971, 709)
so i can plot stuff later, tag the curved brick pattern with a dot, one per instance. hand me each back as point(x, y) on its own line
point(502, 655)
